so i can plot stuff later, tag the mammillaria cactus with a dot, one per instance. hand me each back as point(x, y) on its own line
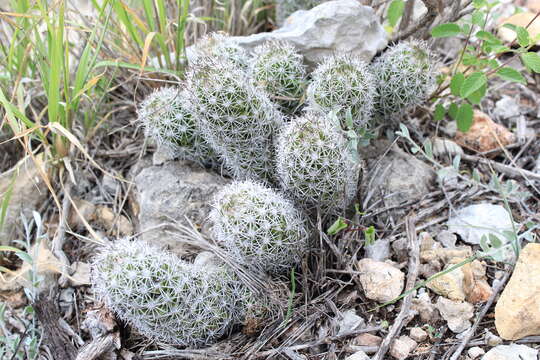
point(284, 8)
point(315, 164)
point(236, 118)
point(259, 227)
point(279, 69)
point(405, 77)
point(165, 298)
point(343, 83)
point(219, 45)
point(166, 116)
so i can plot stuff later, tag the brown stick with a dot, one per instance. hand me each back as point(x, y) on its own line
point(48, 315)
point(404, 314)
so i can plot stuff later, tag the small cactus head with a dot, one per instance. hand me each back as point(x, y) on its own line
point(278, 68)
point(259, 227)
point(167, 118)
point(315, 164)
point(405, 76)
point(343, 83)
point(220, 46)
point(236, 118)
point(165, 298)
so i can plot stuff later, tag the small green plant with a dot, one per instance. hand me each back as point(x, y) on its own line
point(259, 227)
point(279, 69)
point(479, 60)
point(405, 76)
point(165, 298)
point(235, 117)
point(343, 84)
point(314, 162)
point(167, 118)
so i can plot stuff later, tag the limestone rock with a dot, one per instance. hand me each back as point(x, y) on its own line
point(511, 352)
point(456, 313)
point(401, 347)
point(449, 285)
point(342, 26)
point(517, 313)
point(474, 221)
point(359, 355)
point(28, 192)
point(367, 339)
point(171, 192)
point(381, 281)
point(423, 306)
point(475, 352)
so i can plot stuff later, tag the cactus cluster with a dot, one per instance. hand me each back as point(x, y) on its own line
point(167, 118)
point(259, 227)
point(236, 118)
point(314, 162)
point(233, 106)
point(165, 298)
point(342, 83)
point(279, 69)
point(405, 76)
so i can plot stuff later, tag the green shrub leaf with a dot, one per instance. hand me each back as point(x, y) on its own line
point(472, 83)
point(510, 74)
point(532, 61)
point(464, 117)
point(438, 115)
point(456, 83)
point(445, 30)
point(395, 11)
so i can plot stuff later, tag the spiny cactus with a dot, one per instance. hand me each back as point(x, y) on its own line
point(314, 162)
point(219, 45)
point(167, 118)
point(236, 118)
point(405, 77)
point(284, 8)
point(259, 227)
point(343, 83)
point(165, 298)
point(279, 69)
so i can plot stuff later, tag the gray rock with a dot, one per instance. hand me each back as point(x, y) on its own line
point(475, 352)
point(350, 321)
point(395, 176)
point(171, 192)
point(379, 250)
point(474, 221)
point(511, 352)
point(447, 239)
point(506, 108)
point(28, 192)
point(456, 313)
point(342, 26)
point(359, 355)
point(402, 347)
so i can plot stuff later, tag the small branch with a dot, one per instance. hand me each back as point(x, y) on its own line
point(423, 23)
point(472, 330)
point(404, 314)
point(98, 347)
point(60, 236)
point(507, 170)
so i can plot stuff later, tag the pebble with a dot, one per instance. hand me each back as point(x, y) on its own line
point(417, 334)
point(359, 355)
point(447, 239)
point(475, 352)
point(367, 339)
point(402, 347)
point(381, 281)
point(456, 313)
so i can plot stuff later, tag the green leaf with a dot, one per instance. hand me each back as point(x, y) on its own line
point(511, 74)
point(456, 83)
point(445, 30)
point(428, 148)
point(369, 233)
point(478, 18)
point(477, 96)
point(523, 37)
point(489, 37)
point(438, 115)
point(453, 111)
point(395, 11)
point(531, 61)
point(337, 226)
point(472, 83)
point(464, 117)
